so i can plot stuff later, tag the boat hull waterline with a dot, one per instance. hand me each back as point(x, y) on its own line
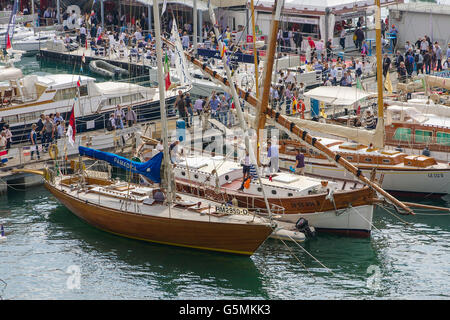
point(241, 239)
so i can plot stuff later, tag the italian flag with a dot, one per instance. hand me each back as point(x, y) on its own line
point(167, 72)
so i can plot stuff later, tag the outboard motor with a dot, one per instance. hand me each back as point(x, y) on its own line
point(303, 226)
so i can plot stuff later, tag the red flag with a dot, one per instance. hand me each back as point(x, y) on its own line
point(72, 130)
point(270, 178)
point(8, 42)
point(79, 82)
point(86, 44)
point(167, 72)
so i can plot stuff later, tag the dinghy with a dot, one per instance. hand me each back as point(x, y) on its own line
point(106, 69)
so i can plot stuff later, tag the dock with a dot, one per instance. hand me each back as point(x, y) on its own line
point(121, 141)
point(137, 66)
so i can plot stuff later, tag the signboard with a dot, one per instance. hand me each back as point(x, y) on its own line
point(236, 57)
point(231, 210)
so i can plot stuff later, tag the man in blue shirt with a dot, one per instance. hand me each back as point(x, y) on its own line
point(214, 104)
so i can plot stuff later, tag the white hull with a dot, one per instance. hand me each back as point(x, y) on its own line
point(403, 181)
point(351, 221)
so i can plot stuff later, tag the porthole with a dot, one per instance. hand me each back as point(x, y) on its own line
point(259, 189)
point(227, 177)
point(196, 176)
point(368, 159)
point(274, 191)
point(290, 194)
point(183, 173)
point(386, 161)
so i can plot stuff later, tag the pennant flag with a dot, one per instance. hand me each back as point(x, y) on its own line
point(270, 178)
point(388, 83)
point(294, 105)
point(72, 130)
point(224, 50)
point(11, 25)
point(358, 83)
point(8, 42)
point(167, 72)
point(79, 81)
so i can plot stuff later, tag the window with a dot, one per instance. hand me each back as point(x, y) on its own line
point(290, 194)
point(402, 134)
point(65, 94)
point(386, 161)
point(274, 191)
point(227, 177)
point(83, 91)
point(368, 159)
point(443, 138)
point(349, 158)
point(422, 136)
point(113, 101)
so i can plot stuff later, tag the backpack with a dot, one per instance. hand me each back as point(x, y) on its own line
point(410, 59)
point(109, 126)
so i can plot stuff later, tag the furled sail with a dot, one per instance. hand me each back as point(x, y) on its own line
point(180, 59)
point(150, 169)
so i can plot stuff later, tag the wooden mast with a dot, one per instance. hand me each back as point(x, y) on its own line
point(380, 123)
point(260, 119)
point(162, 101)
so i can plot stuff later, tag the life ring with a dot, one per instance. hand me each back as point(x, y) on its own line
point(53, 151)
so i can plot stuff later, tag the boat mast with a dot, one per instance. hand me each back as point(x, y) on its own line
point(260, 118)
point(237, 103)
point(162, 102)
point(255, 54)
point(380, 123)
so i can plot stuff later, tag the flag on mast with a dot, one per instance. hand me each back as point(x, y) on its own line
point(167, 72)
point(72, 130)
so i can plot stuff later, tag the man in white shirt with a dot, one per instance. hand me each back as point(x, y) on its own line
point(138, 35)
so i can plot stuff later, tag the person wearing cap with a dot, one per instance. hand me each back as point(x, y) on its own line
point(394, 34)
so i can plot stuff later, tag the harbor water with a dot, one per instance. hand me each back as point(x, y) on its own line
point(51, 254)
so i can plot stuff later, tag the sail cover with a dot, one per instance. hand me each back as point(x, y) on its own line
point(149, 169)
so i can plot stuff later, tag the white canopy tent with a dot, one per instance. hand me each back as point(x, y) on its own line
point(339, 96)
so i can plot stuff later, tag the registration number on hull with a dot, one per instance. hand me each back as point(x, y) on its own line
point(231, 210)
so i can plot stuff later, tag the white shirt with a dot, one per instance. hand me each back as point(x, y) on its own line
point(159, 147)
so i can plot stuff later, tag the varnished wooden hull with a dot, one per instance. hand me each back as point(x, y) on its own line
point(350, 216)
point(243, 239)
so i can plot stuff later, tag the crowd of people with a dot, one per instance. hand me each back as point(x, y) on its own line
point(422, 57)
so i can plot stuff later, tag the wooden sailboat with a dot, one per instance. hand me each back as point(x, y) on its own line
point(153, 214)
point(265, 110)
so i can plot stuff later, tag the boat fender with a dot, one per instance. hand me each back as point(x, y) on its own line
point(204, 66)
point(53, 151)
point(304, 135)
point(246, 95)
point(302, 225)
point(192, 58)
point(214, 73)
point(225, 80)
point(292, 126)
point(313, 141)
point(338, 156)
point(358, 172)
